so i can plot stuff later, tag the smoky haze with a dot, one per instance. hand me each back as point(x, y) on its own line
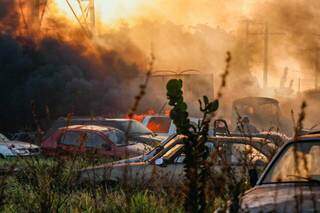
point(58, 74)
point(66, 71)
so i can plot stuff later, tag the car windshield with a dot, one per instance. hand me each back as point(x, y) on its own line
point(3, 139)
point(164, 145)
point(297, 162)
point(159, 124)
point(136, 128)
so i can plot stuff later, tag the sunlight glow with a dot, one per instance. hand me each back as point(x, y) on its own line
point(108, 11)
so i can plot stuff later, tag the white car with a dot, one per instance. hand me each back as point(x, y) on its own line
point(162, 125)
point(16, 148)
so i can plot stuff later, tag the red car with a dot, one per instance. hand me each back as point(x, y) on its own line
point(81, 139)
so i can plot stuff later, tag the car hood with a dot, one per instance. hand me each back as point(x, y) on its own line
point(20, 144)
point(113, 166)
point(285, 197)
point(149, 139)
point(139, 148)
point(139, 158)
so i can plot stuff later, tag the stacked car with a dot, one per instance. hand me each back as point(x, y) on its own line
point(10, 148)
point(97, 140)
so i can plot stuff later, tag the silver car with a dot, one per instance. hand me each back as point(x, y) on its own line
point(165, 162)
point(16, 148)
point(291, 181)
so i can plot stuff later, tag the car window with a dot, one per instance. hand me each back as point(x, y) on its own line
point(180, 158)
point(241, 153)
point(71, 138)
point(297, 162)
point(136, 128)
point(116, 136)
point(3, 139)
point(159, 124)
point(94, 141)
point(210, 146)
point(269, 109)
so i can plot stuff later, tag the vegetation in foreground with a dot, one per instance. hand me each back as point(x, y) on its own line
point(49, 185)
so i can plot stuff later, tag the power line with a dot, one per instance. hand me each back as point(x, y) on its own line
point(266, 34)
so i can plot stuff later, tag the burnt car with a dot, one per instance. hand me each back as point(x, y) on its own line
point(137, 132)
point(167, 160)
point(221, 128)
point(291, 181)
point(163, 125)
point(9, 148)
point(91, 139)
point(264, 113)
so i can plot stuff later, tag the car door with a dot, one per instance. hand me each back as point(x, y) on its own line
point(171, 170)
point(150, 172)
point(244, 157)
point(71, 142)
point(96, 144)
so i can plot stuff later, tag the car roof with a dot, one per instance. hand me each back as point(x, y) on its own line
point(98, 118)
point(255, 100)
point(89, 128)
point(167, 116)
point(311, 136)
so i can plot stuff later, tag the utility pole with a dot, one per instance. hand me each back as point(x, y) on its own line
point(266, 34)
point(316, 70)
point(316, 65)
point(266, 56)
point(247, 26)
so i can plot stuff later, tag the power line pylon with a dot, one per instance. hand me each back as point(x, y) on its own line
point(38, 11)
point(86, 18)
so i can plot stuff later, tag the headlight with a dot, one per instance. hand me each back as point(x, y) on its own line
point(20, 151)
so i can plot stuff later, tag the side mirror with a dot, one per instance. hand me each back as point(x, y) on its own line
point(253, 176)
point(107, 147)
point(159, 162)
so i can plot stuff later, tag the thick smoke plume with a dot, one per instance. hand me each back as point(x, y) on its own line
point(60, 68)
point(58, 73)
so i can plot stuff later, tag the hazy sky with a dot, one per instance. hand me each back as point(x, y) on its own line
point(188, 12)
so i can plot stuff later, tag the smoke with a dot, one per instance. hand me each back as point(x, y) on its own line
point(59, 73)
point(196, 34)
point(59, 67)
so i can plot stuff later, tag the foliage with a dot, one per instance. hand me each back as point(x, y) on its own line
point(47, 185)
point(196, 169)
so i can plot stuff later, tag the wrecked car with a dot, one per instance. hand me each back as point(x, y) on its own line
point(162, 125)
point(10, 148)
point(166, 161)
point(92, 139)
point(264, 113)
point(290, 182)
point(221, 128)
point(138, 132)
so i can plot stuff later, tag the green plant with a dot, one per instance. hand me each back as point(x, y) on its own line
point(196, 153)
point(196, 166)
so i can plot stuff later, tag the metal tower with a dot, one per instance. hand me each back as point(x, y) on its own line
point(86, 18)
point(37, 12)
